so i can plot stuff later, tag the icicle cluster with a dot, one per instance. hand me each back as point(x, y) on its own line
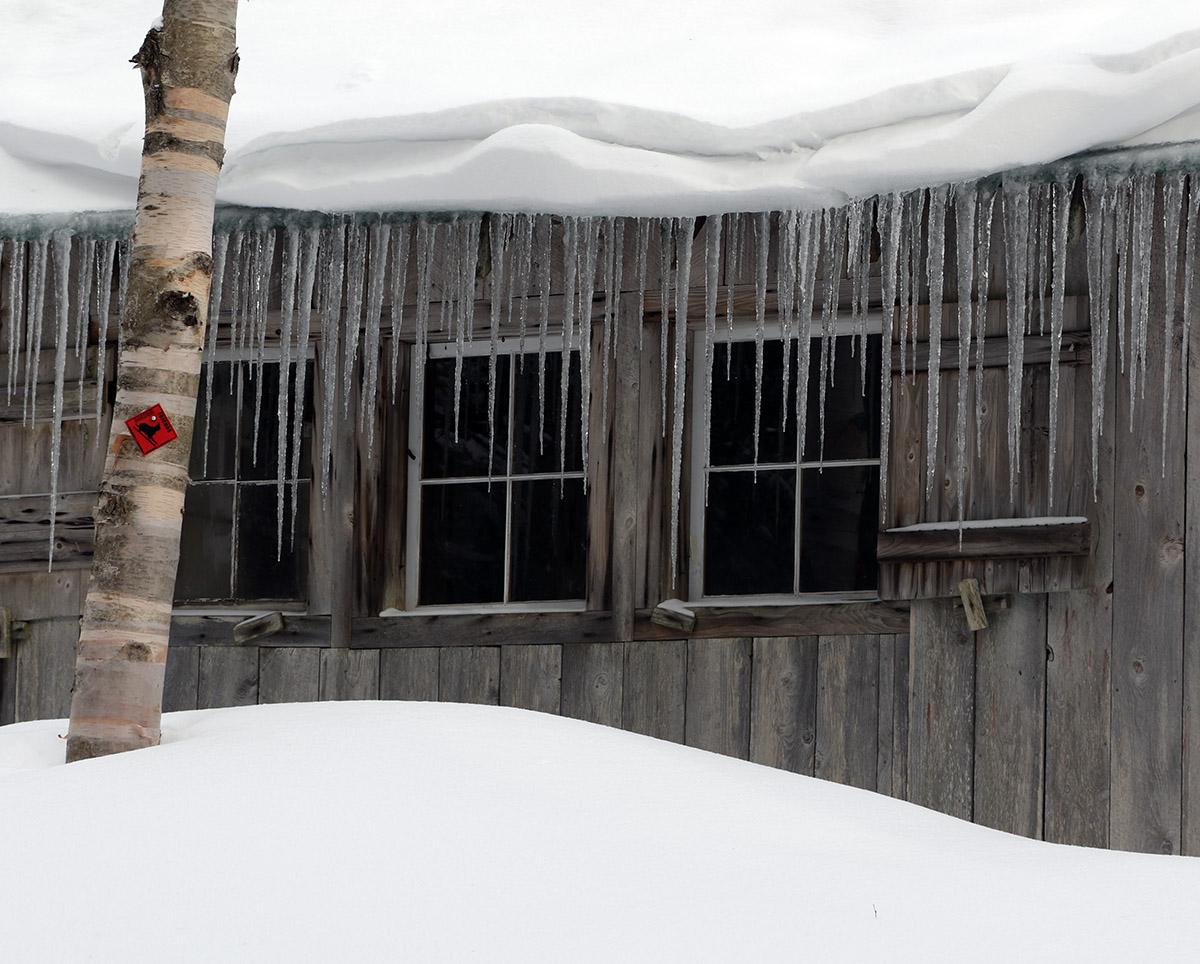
point(360, 285)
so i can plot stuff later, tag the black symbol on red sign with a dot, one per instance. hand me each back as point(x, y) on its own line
point(151, 429)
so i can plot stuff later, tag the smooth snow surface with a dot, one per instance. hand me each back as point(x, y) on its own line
point(615, 108)
point(440, 832)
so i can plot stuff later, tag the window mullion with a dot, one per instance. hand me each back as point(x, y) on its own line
point(509, 494)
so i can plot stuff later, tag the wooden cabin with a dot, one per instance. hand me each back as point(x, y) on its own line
point(649, 539)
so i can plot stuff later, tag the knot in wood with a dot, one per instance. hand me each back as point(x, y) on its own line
point(180, 306)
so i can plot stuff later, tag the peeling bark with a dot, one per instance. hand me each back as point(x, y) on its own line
point(188, 69)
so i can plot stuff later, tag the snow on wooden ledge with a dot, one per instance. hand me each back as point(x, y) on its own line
point(986, 539)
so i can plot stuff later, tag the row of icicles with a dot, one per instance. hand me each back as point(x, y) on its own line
point(359, 268)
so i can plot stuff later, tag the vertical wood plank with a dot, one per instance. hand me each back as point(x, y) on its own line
point(651, 564)
point(1010, 694)
point(847, 710)
point(349, 674)
point(408, 674)
point(531, 677)
point(717, 713)
point(289, 674)
point(900, 718)
point(592, 682)
point(469, 674)
point(624, 469)
point(182, 682)
point(655, 688)
point(599, 500)
point(45, 661)
point(942, 709)
point(885, 726)
point(228, 676)
point(783, 724)
point(1148, 600)
point(1191, 634)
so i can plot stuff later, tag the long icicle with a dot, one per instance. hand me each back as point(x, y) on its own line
point(309, 259)
point(1172, 209)
point(289, 266)
point(16, 312)
point(666, 229)
point(1058, 290)
point(334, 250)
point(1016, 241)
point(220, 247)
point(33, 327)
point(499, 227)
point(683, 247)
point(83, 291)
point(934, 271)
point(104, 285)
point(712, 279)
point(808, 255)
point(891, 216)
point(762, 237)
point(400, 243)
point(964, 223)
point(785, 300)
point(62, 284)
point(984, 209)
point(368, 399)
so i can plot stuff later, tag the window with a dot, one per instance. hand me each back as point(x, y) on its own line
point(229, 548)
point(803, 516)
point(497, 509)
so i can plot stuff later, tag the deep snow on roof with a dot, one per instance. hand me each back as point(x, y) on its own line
point(622, 107)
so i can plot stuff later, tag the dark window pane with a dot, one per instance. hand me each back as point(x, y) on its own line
point(538, 435)
point(748, 538)
point(549, 553)
point(223, 427)
point(733, 405)
point(839, 531)
point(445, 458)
point(851, 414)
point(206, 543)
point(260, 575)
point(462, 543)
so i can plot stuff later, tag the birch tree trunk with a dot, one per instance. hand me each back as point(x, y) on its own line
point(188, 66)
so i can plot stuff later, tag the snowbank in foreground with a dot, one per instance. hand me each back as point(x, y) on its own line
point(438, 832)
point(622, 107)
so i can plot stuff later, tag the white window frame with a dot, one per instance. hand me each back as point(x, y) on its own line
point(505, 345)
point(744, 330)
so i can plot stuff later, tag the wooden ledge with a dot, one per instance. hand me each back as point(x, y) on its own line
point(1000, 539)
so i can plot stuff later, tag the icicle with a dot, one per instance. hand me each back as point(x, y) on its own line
point(570, 263)
point(915, 209)
point(762, 235)
point(310, 244)
point(522, 274)
point(426, 243)
point(785, 297)
point(611, 256)
point(935, 271)
point(499, 226)
point(1139, 292)
point(546, 237)
point(16, 313)
point(1061, 194)
point(287, 308)
point(235, 299)
point(857, 221)
point(983, 254)
point(808, 254)
point(515, 280)
point(641, 257)
point(262, 288)
point(1172, 210)
point(1119, 201)
point(732, 272)
point(835, 254)
point(1190, 256)
point(964, 225)
point(904, 262)
point(466, 249)
point(1016, 242)
point(369, 393)
point(666, 239)
point(125, 248)
point(891, 222)
point(356, 274)
point(104, 283)
point(33, 327)
point(683, 247)
point(1099, 233)
point(83, 291)
point(587, 289)
point(62, 294)
point(612, 303)
point(333, 249)
point(400, 242)
point(712, 278)
point(220, 246)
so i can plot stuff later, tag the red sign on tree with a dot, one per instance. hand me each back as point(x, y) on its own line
point(151, 429)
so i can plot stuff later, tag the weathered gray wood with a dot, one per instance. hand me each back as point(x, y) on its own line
point(43, 403)
point(972, 602)
point(942, 709)
point(625, 474)
point(8, 691)
point(181, 686)
point(901, 691)
point(289, 675)
point(655, 688)
point(1148, 602)
point(480, 628)
point(349, 674)
point(470, 674)
point(408, 674)
point(885, 720)
point(6, 633)
point(45, 668)
point(652, 497)
point(853, 618)
point(531, 677)
point(257, 627)
point(1001, 542)
point(592, 677)
point(1191, 613)
point(228, 676)
point(847, 710)
point(1010, 674)
point(598, 564)
point(340, 518)
point(717, 712)
point(43, 595)
point(783, 724)
point(1076, 350)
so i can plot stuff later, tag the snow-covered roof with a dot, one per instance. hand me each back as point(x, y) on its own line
point(621, 107)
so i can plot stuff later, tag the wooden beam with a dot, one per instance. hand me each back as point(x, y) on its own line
point(982, 542)
point(1076, 350)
